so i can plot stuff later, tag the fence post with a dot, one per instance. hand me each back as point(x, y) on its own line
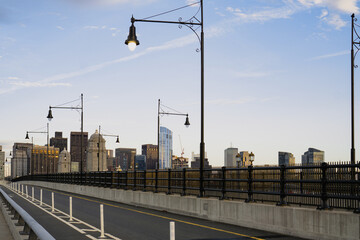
point(169, 182)
point(118, 180)
point(112, 178)
point(134, 178)
point(126, 179)
point(223, 185)
point(184, 183)
point(156, 180)
point(41, 197)
point(32, 194)
point(324, 197)
point(282, 201)
point(250, 180)
point(301, 181)
point(357, 210)
point(144, 188)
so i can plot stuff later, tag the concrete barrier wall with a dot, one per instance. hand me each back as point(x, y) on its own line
point(295, 221)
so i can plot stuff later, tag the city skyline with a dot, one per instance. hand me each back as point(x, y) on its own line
point(277, 74)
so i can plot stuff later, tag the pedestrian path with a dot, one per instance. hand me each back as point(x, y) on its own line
point(5, 233)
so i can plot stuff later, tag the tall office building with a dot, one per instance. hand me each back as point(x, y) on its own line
point(75, 150)
point(96, 153)
point(20, 161)
point(111, 160)
point(243, 159)
point(165, 148)
point(126, 158)
point(58, 141)
point(42, 162)
point(230, 157)
point(140, 162)
point(2, 163)
point(312, 156)
point(151, 153)
point(286, 158)
point(195, 163)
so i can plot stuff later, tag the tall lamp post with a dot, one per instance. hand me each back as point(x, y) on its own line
point(162, 112)
point(355, 42)
point(193, 24)
point(105, 135)
point(50, 117)
point(47, 146)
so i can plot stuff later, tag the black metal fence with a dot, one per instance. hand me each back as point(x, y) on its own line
point(334, 185)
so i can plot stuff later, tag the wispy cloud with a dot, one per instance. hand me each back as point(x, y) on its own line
point(13, 78)
point(39, 84)
point(329, 55)
point(60, 28)
point(114, 31)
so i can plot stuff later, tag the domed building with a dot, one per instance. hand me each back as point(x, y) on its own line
point(96, 153)
point(64, 162)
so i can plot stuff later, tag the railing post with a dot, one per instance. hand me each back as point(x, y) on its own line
point(282, 201)
point(223, 185)
point(134, 188)
point(184, 183)
point(301, 181)
point(357, 210)
point(126, 179)
point(144, 188)
point(118, 180)
point(324, 197)
point(169, 181)
point(112, 178)
point(156, 180)
point(250, 181)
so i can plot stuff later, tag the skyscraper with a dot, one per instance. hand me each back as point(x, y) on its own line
point(312, 156)
point(126, 158)
point(58, 141)
point(230, 157)
point(2, 163)
point(286, 159)
point(75, 150)
point(165, 148)
point(140, 162)
point(151, 153)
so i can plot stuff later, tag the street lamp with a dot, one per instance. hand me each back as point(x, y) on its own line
point(162, 112)
point(50, 117)
point(252, 158)
point(104, 135)
point(47, 147)
point(193, 24)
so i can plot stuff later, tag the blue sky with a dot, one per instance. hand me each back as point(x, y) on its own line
point(277, 74)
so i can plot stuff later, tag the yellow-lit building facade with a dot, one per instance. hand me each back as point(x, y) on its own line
point(42, 162)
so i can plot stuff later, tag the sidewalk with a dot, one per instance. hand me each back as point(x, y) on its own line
point(5, 233)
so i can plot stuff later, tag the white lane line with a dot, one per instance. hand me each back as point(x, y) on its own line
point(66, 222)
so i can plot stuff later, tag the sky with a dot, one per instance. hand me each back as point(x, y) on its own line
point(277, 74)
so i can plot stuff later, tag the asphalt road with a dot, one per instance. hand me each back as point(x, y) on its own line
point(126, 222)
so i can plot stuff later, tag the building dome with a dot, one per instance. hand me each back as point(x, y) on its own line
point(95, 137)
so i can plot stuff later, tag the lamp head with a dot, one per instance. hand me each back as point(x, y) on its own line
point(252, 156)
point(27, 135)
point(132, 41)
point(50, 116)
point(117, 139)
point(187, 123)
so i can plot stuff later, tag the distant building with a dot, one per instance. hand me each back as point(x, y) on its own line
point(126, 158)
point(20, 161)
point(140, 162)
point(7, 168)
point(313, 156)
point(58, 141)
point(286, 158)
point(243, 159)
point(64, 164)
point(43, 162)
point(2, 163)
point(111, 160)
point(151, 153)
point(195, 163)
point(96, 156)
point(75, 150)
point(165, 148)
point(179, 162)
point(230, 157)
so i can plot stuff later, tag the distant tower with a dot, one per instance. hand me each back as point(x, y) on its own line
point(165, 148)
point(75, 150)
point(58, 141)
point(230, 157)
point(286, 159)
point(151, 153)
point(312, 156)
point(64, 162)
point(96, 153)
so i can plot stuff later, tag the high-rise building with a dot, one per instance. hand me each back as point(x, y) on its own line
point(179, 162)
point(151, 153)
point(20, 161)
point(96, 153)
point(195, 163)
point(43, 162)
point(111, 160)
point(243, 159)
point(140, 162)
point(2, 163)
point(230, 157)
point(286, 158)
point(165, 148)
point(126, 158)
point(312, 156)
point(75, 150)
point(64, 162)
point(58, 141)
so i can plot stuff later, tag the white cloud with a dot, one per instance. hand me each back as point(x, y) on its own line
point(345, 6)
point(60, 28)
point(39, 84)
point(13, 78)
point(188, 2)
point(330, 55)
point(91, 27)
